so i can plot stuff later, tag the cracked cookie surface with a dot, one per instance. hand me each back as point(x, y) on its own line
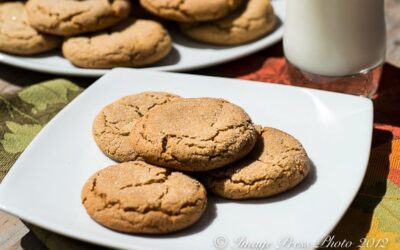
point(17, 36)
point(277, 163)
point(190, 10)
point(113, 124)
point(133, 43)
point(73, 17)
point(135, 197)
point(251, 21)
point(196, 134)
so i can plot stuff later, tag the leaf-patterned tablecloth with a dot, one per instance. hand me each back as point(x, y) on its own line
point(374, 214)
point(23, 115)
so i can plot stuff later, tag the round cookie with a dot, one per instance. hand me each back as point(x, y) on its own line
point(196, 134)
point(17, 36)
point(190, 10)
point(250, 22)
point(139, 12)
point(277, 163)
point(112, 126)
point(133, 43)
point(73, 17)
point(135, 197)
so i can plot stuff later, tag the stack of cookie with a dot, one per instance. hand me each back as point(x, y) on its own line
point(124, 33)
point(160, 139)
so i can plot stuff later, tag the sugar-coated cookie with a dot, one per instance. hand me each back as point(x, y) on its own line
point(135, 197)
point(190, 10)
point(17, 36)
point(277, 163)
point(196, 134)
point(251, 21)
point(73, 17)
point(112, 126)
point(133, 43)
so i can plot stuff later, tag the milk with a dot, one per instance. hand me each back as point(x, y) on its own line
point(335, 37)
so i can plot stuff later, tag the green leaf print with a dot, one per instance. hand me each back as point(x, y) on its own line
point(47, 93)
point(388, 210)
point(20, 136)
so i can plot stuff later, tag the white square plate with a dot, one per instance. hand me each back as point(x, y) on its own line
point(44, 185)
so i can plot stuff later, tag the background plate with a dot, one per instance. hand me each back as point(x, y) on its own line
point(43, 187)
point(186, 54)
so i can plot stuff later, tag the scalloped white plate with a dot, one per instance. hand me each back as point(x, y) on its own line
point(186, 54)
point(43, 187)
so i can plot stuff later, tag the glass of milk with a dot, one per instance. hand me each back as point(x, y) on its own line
point(337, 45)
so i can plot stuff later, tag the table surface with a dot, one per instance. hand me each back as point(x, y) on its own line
point(13, 232)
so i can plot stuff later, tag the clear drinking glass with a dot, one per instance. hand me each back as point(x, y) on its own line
point(336, 45)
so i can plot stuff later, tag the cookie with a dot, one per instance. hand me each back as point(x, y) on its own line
point(190, 10)
point(277, 163)
point(133, 43)
point(17, 36)
point(196, 134)
point(250, 22)
point(138, 12)
point(112, 126)
point(135, 197)
point(73, 17)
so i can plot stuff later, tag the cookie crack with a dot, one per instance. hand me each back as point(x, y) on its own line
point(178, 212)
point(117, 204)
point(158, 104)
point(136, 108)
point(212, 138)
point(71, 18)
point(133, 54)
point(225, 176)
point(246, 27)
point(19, 37)
point(177, 8)
point(112, 203)
point(115, 130)
point(153, 50)
point(165, 176)
point(60, 21)
point(254, 181)
point(192, 143)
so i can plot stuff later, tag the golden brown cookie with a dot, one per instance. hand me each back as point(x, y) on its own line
point(112, 126)
point(135, 197)
point(133, 43)
point(138, 12)
point(17, 36)
point(190, 10)
point(250, 22)
point(277, 163)
point(73, 17)
point(195, 134)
